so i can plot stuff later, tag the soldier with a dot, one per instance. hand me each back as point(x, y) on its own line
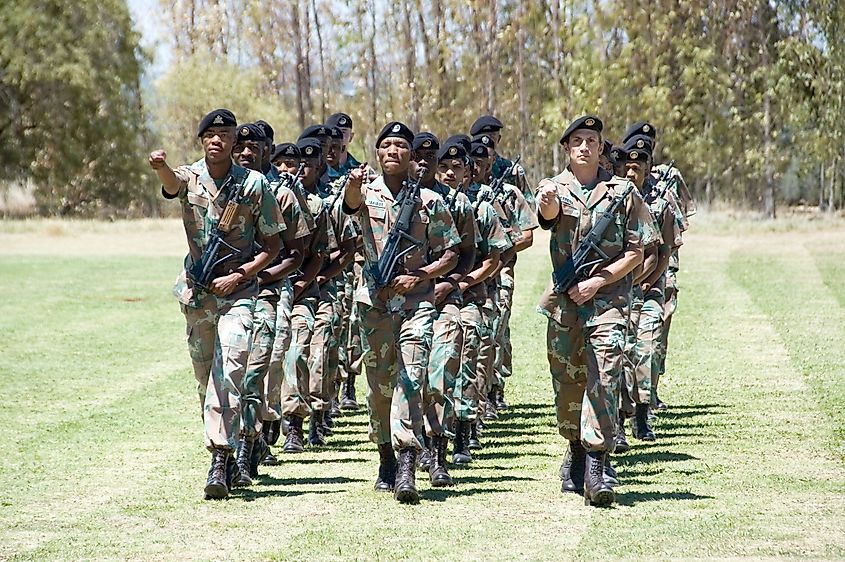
point(587, 321)
point(524, 221)
point(267, 168)
point(492, 127)
point(221, 198)
point(684, 206)
point(301, 391)
point(447, 339)
point(397, 319)
point(346, 161)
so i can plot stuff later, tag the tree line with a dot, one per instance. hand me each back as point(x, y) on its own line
point(747, 95)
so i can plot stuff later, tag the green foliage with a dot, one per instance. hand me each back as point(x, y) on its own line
point(74, 124)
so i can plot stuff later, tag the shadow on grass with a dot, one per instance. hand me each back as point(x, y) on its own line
point(267, 480)
point(633, 498)
point(459, 491)
point(298, 459)
point(250, 494)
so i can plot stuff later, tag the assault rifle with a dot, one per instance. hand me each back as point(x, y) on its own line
point(384, 270)
point(327, 207)
point(577, 267)
point(497, 187)
point(665, 179)
point(201, 273)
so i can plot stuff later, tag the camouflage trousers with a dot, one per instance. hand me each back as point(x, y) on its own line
point(296, 382)
point(345, 307)
point(321, 377)
point(585, 361)
point(670, 305)
point(219, 334)
point(271, 402)
point(502, 329)
point(396, 351)
point(263, 339)
point(443, 366)
point(467, 386)
point(354, 349)
point(640, 357)
point(486, 354)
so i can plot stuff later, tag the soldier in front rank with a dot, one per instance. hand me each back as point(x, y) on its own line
point(301, 393)
point(587, 320)
point(454, 169)
point(522, 218)
point(491, 310)
point(221, 198)
point(492, 127)
point(447, 340)
point(684, 205)
point(397, 318)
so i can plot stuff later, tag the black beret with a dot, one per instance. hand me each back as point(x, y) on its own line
point(315, 131)
point(310, 148)
point(217, 118)
point(465, 141)
point(485, 124)
point(425, 141)
point(640, 128)
point(286, 150)
point(640, 142)
point(339, 120)
point(335, 132)
point(395, 129)
point(268, 130)
point(479, 149)
point(486, 140)
point(250, 132)
point(615, 153)
point(452, 150)
point(586, 122)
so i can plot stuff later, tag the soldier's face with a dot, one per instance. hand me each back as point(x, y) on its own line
point(451, 172)
point(636, 172)
point(249, 154)
point(348, 135)
point(496, 136)
point(584, 147)
point(482, 167)
point(217, 143)
point(394, 156)
point(428, 159)
point(311, 172)
point(333, 152)
point(268, 151)
point(287, 165)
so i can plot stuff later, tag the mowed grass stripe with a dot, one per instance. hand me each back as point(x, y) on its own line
point(729, 475)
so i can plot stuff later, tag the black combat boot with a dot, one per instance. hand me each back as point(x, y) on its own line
point(242, 457)
point(659, 404)
point(315, 437)
point(490, 413)
point(294, 441)
point(215, 486)
point(640, 428)
point(596, 491)
point(405, 490)
point(622, 445)
point(274, 430)
point(460, 451)
point(426, 454)
point(386, 468)
point(438, 474)
point(232, 471)
point(610, 475)
point(259, 451)
point(499, 394)
point(572, 469)
point(326, 424)
point(474, 442)
point(348, 401)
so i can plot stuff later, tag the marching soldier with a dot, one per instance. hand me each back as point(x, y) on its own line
point(397, 318)
point(587, 320)
point(515, 175)
point(220, 198)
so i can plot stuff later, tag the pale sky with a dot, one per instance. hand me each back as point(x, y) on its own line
point(147, 17)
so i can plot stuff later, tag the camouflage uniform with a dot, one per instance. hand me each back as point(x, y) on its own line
point(396, 329)
point(472, 379)
point(219, 329)
point(271, 336)
point(448, 333)
point(586, 343)
point(501, 166)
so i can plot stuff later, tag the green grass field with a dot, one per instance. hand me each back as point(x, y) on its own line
point(102, 455)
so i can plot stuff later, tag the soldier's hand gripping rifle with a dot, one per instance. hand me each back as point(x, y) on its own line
point(667, 179)
point(201, 273)
point(384, 270)
point(577, 266)
point(328, 206)
point(497, 187)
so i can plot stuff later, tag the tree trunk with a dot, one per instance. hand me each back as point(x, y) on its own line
point(324, 79)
